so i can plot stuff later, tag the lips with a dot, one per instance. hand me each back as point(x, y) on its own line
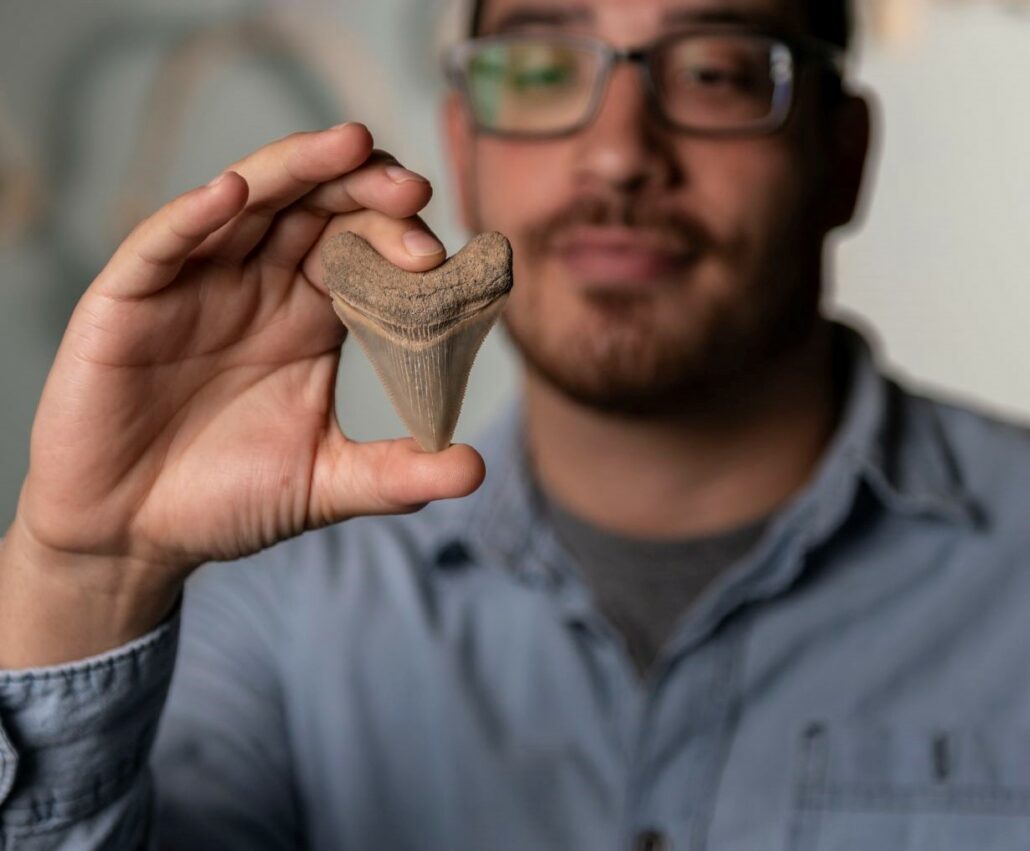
point(621, 257)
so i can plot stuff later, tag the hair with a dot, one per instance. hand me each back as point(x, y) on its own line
point(830, 20)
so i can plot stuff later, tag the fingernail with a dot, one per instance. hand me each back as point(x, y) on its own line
point(341, 126)
point(217, 180)
point(402, 175)
point(421, 244)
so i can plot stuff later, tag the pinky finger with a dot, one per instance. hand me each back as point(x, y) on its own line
point(153, 254)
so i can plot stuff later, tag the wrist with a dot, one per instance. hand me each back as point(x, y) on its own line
point(58, 607)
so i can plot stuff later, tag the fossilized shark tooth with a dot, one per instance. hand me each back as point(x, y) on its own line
point(421, 331)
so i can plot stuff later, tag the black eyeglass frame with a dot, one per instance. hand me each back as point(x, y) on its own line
point(799, 48)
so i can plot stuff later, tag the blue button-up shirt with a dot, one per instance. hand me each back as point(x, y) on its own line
point(442, 681)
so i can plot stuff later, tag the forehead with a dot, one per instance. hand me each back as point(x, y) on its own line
point(633, 19)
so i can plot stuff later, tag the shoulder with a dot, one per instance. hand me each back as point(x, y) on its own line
point(991, 451)
point(989, 455)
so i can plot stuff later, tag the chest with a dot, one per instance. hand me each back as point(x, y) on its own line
point(857, 712)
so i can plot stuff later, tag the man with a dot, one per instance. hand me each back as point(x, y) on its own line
point(724, 586)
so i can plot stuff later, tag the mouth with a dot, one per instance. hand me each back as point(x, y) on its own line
point(621, 258)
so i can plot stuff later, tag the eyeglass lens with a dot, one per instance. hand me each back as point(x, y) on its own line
point(541, 85)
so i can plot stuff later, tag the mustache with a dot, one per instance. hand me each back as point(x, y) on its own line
point(678, 230)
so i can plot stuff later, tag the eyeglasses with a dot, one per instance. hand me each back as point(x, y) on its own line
point(713, 81)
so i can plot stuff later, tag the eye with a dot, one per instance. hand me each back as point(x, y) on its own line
point(717, 65)
point(539, 66)
point(488, 65)
point(712, 77)
point(542, 76)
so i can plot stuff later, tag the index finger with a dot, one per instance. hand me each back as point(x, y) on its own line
point(283, 172)
point(152, 255)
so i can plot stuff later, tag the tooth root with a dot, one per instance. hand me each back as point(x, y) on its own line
point(421, 331)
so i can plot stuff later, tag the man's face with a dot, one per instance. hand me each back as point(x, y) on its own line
point(651, 267)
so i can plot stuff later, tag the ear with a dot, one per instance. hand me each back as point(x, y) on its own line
point(850, 134)
point(459, 138)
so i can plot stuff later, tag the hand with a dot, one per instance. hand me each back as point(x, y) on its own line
point(190, 413)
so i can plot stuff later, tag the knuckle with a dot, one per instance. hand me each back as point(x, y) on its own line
point(284, 155)
point(374, 491)
point(139, 231)
point(148, 260)
point(180, 228)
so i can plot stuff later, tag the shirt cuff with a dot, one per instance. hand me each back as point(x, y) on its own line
point(74, 737)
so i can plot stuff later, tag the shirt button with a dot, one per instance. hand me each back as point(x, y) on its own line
point(453, 556)
point(651, 840)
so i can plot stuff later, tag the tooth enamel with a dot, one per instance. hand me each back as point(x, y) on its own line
point(421, 331)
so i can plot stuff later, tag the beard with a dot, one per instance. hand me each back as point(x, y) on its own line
point(678, 346)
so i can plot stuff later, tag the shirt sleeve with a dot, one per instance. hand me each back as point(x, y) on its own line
point(74, 745)
point(120, 752)
point(223, 763)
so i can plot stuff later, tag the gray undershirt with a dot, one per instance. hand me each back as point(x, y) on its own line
point(642, 586)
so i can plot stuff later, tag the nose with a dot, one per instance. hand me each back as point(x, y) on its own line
point(625, 147)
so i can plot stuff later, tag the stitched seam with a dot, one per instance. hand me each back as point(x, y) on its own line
point(58, 811)
point(133, 655)
point(857, 796)
point(724, 701)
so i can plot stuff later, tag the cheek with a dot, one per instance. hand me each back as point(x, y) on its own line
point(518, 186)
point(745, 191)
point(517, 183)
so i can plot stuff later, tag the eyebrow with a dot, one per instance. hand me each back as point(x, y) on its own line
point(526, 16)
point(734, 17)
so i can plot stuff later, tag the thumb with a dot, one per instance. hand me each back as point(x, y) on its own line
point(353, 479)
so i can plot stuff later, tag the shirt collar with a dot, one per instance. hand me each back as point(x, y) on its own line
point(504, 522)
point(889, 440)
point(895, 441)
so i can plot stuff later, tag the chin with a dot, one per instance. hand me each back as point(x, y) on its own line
point(618, 366)
point(647, 356)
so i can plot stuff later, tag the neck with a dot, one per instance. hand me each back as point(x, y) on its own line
point(690, 473)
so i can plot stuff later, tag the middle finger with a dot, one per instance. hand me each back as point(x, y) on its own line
point(408, 244)
point(381, 186)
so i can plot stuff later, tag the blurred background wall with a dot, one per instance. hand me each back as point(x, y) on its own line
point(110, 107)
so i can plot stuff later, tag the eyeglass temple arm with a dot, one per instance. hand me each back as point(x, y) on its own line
point(830, 55)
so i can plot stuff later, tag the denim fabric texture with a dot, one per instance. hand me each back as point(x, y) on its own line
point(443, 681)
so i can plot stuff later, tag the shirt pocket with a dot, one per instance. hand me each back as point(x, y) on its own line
point(864, 786)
